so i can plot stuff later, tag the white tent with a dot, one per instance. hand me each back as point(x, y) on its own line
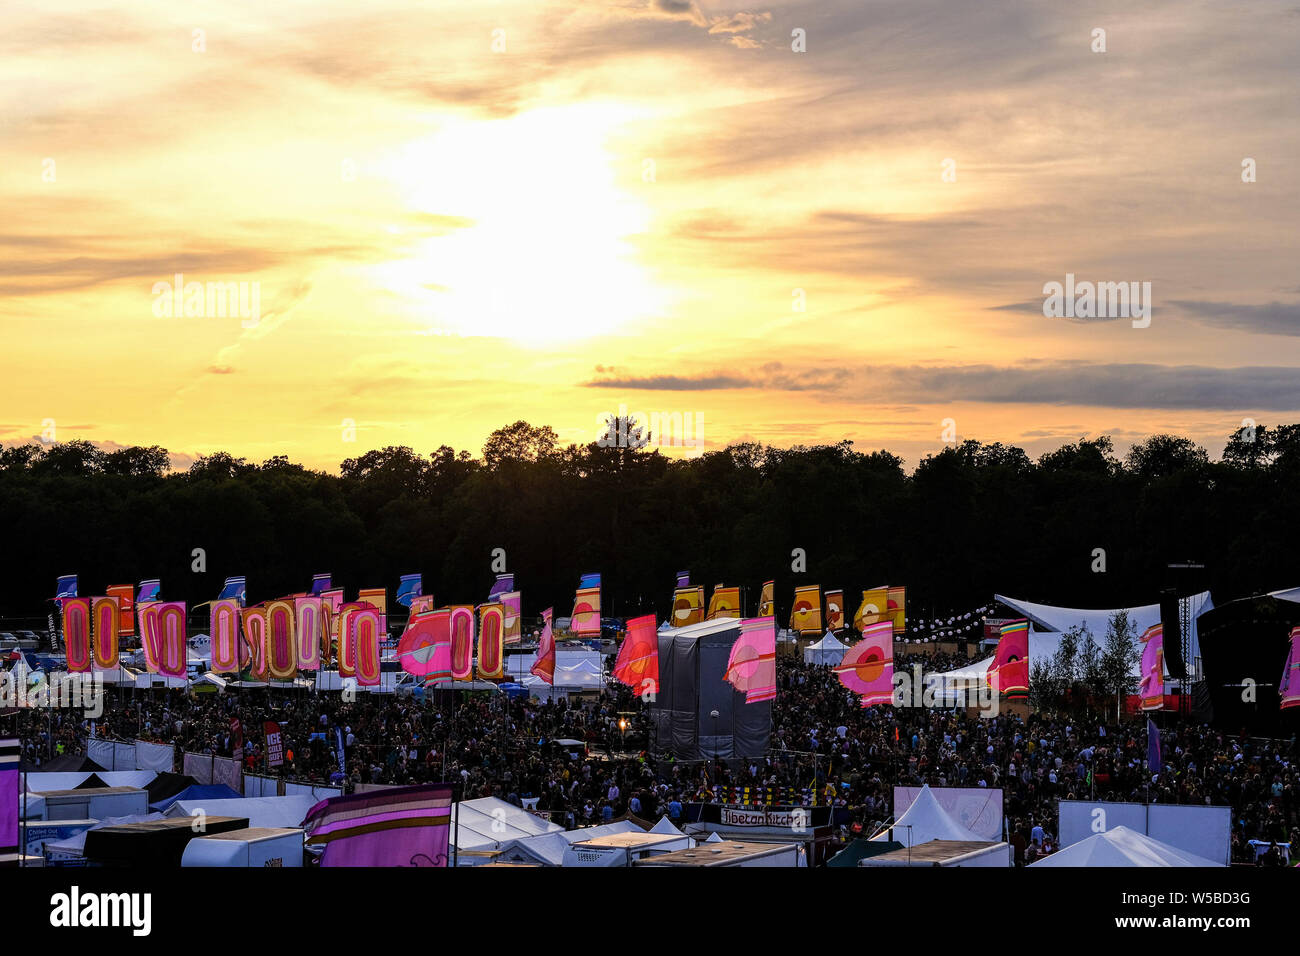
point(488, 823)
point(1120, 846)
point(286, 811)
point(926, 820)
point(714, 837)
point(666, 826)
point(1048, 623)
point(548, 849)
point(829, 651)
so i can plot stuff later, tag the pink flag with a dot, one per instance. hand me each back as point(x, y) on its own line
point(1289, 689)
point(425, 647)
point(867, 668)
point(401, 826)
point(637, 664)
point(1152, 687)
point(545, 665)
point(751, 668)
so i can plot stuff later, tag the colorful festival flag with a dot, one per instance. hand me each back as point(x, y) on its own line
point(1008, 672)
point(724, 603)
point(125, 594)
point(162, 634)
point(1154, 762)
point(688, 606)
point(378, 598)
point(348, 637)
point(254, 623)
point(806, 612)
point(491, 641)
point(409, 587)
point(834, 610)
point(320, 583)
point(367, 628)
point(896, 604)
point(399, 826)
point(767, 600)
point(150, 590)
point(503, 583)
point(1289, 688)
point(544, 667)
point(683, 579)
point(462, 641)
point(104, 616)
point(637, 664)
point(867, 668)
point(236, 588)
point(751, 667)
point(512, 626)
point(10, 754)
point(874, 608)
point(281, 644)
point(1152, 686)
point(309, 622)
point(225, 635)
point(425, 647)
point(585, 619)
point(423, 604)
point(76, 633)
point(65, 586)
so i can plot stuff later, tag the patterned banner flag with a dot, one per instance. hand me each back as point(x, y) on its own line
point(10, 753)
point(224, 632)
point(1008, 672)
point(281, 644)
point(65, 586)
point(767, 600)
point(637, 664)
point(491, 642)
point(149, 591)
point(724, 603)
point(503, 583)
point(512, 626)
point(235, 588)
point(1152, 686)
point(320, 583)
point(806, 613)
point(425, 647)
point(162, 634)
point(309, 624)
point(751, 667)
point(378, 597)
point(1154, 761)
point(688, 606)
point(874, 608)
point(348, 638)
point(1289, 688)
point(367, 627)
point(683, 579)
point(423, 604)
point(76, 633)
point(254, 622)
point(462, 641)
point(409, 587)
point(125, 594)
point(834, 610)
point(544, 667)
point(400, 826)
point(105, 617)
point(586, 607)
point(896, 608)
point(867, 668)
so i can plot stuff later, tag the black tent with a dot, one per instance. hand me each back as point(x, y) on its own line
point(168, 784)
point(67, 763)
point(1244, 646)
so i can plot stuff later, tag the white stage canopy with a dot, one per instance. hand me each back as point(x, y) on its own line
point(1120, 846)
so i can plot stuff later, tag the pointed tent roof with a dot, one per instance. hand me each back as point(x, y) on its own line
point(665, 826)
point(926, 820)
point(829, 650)
point(1121, 846)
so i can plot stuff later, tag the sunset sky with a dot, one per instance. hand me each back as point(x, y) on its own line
point(462, 214)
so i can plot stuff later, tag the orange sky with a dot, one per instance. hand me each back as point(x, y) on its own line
point(458, 215)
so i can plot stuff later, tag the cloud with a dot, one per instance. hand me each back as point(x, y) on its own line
point(1274, 318)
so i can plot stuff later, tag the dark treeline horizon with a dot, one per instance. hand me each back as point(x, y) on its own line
point(971, 520)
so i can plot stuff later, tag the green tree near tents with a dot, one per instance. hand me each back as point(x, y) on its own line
point(1118, 657)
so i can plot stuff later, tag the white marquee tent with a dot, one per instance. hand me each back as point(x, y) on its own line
point(829, 651)
point(926, 820)
point(488, 823)
point(1120, 846)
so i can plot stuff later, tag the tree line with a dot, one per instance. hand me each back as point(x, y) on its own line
point(1078, 527)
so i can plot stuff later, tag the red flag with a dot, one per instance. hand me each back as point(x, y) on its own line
point(637, 665)
point(545, 665)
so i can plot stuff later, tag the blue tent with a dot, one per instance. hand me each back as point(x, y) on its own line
point(200, 791)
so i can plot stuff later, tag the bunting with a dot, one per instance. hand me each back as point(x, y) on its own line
point(1152, 686)
point(806, 613)
point(544, 667)
point(751, 667)
point(637, 664)
point(491, 641)
point(867, 668)
point(462, 641)
point(1008, 672)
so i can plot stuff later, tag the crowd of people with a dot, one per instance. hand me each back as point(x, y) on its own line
point(822, 744)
